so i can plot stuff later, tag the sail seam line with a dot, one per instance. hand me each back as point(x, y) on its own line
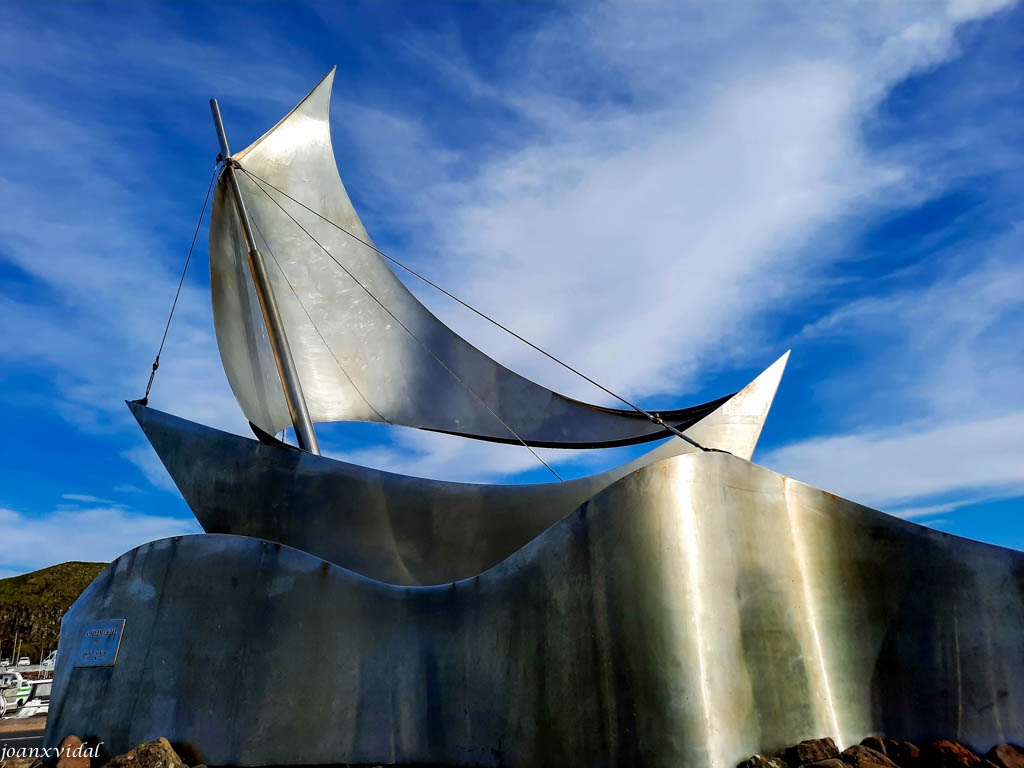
point(653, 417)
point(419, 341)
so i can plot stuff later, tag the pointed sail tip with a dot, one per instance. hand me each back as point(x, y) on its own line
point(310, 105)
point(327, 80)
point(736, 426)
point(138, 410)
point(767, 382)
point(770, 377)
point(326, 83)
point(781, 362)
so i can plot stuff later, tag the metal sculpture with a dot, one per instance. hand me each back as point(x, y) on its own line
point(686, 609)
point(364, 347)
point(692, 613)
point(402, 530)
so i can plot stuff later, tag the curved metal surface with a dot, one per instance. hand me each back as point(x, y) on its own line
point(398, 529)
point(356, 361)
point(695, 612)
point(291, 389)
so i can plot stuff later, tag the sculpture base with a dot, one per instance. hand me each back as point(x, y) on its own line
point(695, 612)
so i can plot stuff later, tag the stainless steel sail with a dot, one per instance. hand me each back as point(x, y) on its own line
point(365, 348)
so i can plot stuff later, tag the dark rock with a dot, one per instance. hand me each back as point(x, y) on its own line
point(72, 753)
point(876, 743)
point(948, 754)
point(99, 755)
point(152, 754)
point(1006, 756)
point(832, 762)
point(810, 751)
point(760, 761)
point(903, 753)
point(189, 754)
point(860, 756)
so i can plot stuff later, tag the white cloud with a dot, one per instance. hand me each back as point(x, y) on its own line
point(637, 264)
point(938, 388)
point(144, 457)
point(966, 10)
point(100, 322)
point(649, 241)
point(432, 455)
point(651, 203)
point(87, 499)
point(950, 344)
point(436, 455)
point(103, 225)
point(889, 467)
point(94, 534)
point(910, 513)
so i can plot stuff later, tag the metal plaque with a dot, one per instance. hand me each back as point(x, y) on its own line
point(100, 643)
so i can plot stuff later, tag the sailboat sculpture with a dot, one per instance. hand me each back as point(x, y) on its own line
point(361, 347)
point(688, 608)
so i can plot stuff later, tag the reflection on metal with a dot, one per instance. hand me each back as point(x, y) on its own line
point(277, 339)
point(667, 621)
point(824, 704)
point(397, 529)
point(354, 358)
point(686, 609)
point(699, 622)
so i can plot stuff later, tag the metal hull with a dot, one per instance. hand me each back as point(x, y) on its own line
point(394, 528)
point(692, 613)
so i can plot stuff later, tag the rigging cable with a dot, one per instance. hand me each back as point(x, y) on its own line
point(309, 317)
point(419, 341)
point(144, 400)
point(653, 417)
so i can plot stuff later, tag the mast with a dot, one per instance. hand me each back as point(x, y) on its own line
point(297, 409)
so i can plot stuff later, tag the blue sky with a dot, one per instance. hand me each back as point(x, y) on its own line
point(667, 196)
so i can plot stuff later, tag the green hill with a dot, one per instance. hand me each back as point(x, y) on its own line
point(33, 604)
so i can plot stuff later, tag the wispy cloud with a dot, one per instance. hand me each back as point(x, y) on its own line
point(144, 457)
point(662, 194)
point(940, 391)
point(647, 233)
point(929, 511)
point(94, 533)
point(436, 455)
point(95, 218)
point(946, 343)
point(892, 466)
point(87, 499)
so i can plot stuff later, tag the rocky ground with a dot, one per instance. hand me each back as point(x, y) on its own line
point(872, 752)
point(877, 752)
